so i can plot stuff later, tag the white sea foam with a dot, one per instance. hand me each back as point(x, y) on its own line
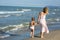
point(26, 9)
point(4, 36)
point(55, 9)
point(8, 15)
point(57, 19)
point(17, 14)
point(5, 12)
point(4, 16)
point(54, 19)
point(17, 27)
point(13, 27)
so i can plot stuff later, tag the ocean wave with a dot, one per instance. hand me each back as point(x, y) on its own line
point(14, 27)
point(8, 15)
point(53, 13)
point(4, 16)
point(5, 12)
point(54, 19)
point(26, 9)
point(4, 35)
point(22, 11)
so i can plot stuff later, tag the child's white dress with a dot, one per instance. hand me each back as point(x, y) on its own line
point(44, 27)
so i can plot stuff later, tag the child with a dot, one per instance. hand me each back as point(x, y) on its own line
point(32, 25)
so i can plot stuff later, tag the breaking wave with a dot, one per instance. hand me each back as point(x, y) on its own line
point(5, 12)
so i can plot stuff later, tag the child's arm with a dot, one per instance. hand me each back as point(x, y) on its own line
point(35, 23)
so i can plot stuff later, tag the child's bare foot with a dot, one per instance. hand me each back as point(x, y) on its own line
point(32, 37)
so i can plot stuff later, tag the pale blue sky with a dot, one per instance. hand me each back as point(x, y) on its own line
point(34, 3)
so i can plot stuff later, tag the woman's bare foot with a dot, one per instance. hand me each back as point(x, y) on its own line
point(41, 37)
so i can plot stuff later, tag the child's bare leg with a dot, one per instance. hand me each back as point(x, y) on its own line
point(33, 34)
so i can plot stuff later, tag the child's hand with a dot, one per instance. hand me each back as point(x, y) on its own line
point(35, 23)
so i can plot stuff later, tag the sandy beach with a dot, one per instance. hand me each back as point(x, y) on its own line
point(53, 35)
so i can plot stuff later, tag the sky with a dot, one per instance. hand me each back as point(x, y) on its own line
point(32, 3)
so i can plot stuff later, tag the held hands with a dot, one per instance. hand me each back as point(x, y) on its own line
point(37, 23)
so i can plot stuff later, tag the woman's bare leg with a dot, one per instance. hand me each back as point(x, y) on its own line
point(42, 31)
point(46, 29)
point(42, 34)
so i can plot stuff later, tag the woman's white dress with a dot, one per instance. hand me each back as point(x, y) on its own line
point(44, 27)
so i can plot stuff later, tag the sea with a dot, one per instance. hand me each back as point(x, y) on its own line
point(15, 19)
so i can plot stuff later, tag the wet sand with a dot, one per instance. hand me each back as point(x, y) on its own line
point(53, 35)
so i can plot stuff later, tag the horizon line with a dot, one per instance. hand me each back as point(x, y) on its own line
point(28, 6)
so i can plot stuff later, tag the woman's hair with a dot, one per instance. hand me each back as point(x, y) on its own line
point(33, 19)
point(45, 9)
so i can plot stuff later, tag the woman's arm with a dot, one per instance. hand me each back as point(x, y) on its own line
point(38, 18)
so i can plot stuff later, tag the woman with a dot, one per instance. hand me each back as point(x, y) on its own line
point(42, 21)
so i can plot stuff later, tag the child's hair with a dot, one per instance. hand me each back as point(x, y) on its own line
point(33, 19)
